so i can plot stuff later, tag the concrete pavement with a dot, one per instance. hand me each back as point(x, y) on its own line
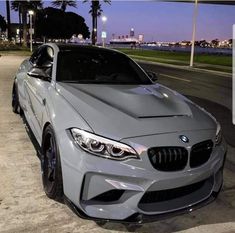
point(25, 208)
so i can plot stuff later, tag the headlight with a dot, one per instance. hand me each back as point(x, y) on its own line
point(102, 147)
point(218, 137)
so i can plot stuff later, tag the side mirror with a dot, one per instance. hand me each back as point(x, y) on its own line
point(38, 73)
point(152, 75)
point(47, 64)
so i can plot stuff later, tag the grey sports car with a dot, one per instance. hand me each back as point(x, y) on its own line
point(114, 143)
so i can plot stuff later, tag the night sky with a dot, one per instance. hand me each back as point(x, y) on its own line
point(158, 21)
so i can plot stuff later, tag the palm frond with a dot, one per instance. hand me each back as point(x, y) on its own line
point(63, 4)
point(34, 4)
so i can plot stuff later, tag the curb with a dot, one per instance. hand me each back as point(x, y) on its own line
point(188, 68)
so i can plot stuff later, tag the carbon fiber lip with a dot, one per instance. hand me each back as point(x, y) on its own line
point(139, 218)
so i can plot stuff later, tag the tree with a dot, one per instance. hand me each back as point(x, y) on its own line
point(63, 4)
point(3, 24)
point(95, 12)
point(56, 24)
point(215, 43)
point(16, 5)
point(8, 19)
point(23, 7)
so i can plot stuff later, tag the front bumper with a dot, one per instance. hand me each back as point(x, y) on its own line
point(140, 218)
point(88, 178)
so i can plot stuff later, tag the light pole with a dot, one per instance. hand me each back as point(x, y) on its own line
point(31, 13)
point(194, 31)
point(103, 34)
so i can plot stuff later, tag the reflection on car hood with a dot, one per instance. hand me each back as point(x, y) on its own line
point(132, 110)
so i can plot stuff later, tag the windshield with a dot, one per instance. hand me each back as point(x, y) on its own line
point(96, 66)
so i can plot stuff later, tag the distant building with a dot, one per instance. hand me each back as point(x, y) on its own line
point(141, 38)
point(127, 39)
point(124, 40)
point(132, 32)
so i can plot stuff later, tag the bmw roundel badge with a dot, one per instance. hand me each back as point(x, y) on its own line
point(184, 139)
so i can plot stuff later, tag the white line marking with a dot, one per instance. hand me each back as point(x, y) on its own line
point(173, 77)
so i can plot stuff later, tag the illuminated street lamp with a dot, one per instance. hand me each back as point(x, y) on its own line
point(31, 13)
point(104, 18)
point(103, 34)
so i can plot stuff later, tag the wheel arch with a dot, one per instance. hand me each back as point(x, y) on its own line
point(43, 132)
point(14, 86)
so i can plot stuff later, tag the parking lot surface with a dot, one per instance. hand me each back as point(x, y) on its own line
point(25, 208)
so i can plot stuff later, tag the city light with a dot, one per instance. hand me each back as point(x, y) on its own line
point(104, 19)
point(31, 12)
point(103, 33)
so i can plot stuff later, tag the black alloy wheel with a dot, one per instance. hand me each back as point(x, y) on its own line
point(51, 166)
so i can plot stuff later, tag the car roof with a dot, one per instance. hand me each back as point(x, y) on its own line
point(75, 47)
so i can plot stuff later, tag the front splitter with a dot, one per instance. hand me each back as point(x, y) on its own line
point(139, 218)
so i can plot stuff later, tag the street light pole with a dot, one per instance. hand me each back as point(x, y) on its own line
point(104, 19)
point(31, 29)
point(194, 32)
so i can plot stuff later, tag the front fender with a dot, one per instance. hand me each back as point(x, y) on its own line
point(60, 113)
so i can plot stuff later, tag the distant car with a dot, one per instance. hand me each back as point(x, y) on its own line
point(114, 144)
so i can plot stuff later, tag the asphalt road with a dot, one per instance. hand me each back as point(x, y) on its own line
point(206, 85)
point(211, 91)
point(25, 208)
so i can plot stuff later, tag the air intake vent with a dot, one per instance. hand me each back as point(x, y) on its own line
point(168, 158)
point(170, 194)
point(200, 153)
point(109, 196)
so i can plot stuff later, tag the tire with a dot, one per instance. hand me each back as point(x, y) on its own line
point(51, 166)
point(15, 100)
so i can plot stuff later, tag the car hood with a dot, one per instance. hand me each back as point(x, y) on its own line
point(121, 111)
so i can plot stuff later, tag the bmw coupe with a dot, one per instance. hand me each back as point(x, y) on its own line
point(115, 144)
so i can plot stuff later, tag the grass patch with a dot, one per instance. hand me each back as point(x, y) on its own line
point(161, 60)
point(173, 57)
point(221, 60)
point(9, 48)
point(16, 52)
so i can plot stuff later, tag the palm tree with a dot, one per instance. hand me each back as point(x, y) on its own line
point(22, 7)
point(3, 24)
point(8, 19)
point(63, 4)
point(95, 12)
point(16, 5)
